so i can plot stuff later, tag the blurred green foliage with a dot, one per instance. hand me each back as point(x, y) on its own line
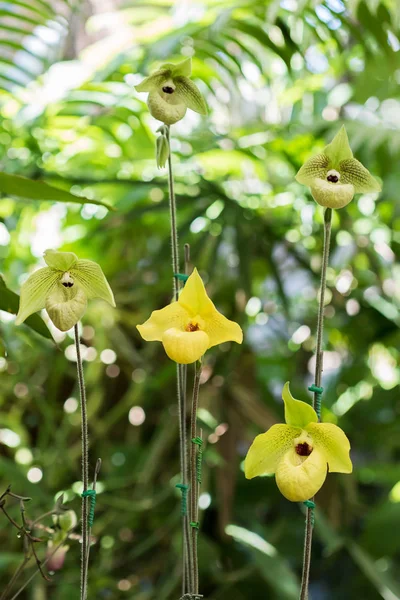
point(279, 78)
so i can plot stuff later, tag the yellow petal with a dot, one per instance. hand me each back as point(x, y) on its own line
point(185, 347)
point(299, 481)
point(333, 442)
point(220, 329)
point(332, 195)
point(173, 315)
point(297, 413)
point(268, 448)
point(194, 297)
point(66, 306)
point(195, 300)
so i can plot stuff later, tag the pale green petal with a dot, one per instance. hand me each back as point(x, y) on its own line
point(332, 195)
point(300, 480)
point(92, 279)
point(268, 448)
point(331, 440)
point(154, 81)
point(66, 306)
point(297, 413)
point(182, 69)
point(190, 94)
point(169, 110)
point(339, 148)
point(62, 261)
point(317, 166)
point(34, 292)
point(353, 172)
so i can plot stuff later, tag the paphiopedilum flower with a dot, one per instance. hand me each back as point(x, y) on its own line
point(300, 453)
point(335, 175)
point(172, 92)
point(191, 325)
point(63, 289)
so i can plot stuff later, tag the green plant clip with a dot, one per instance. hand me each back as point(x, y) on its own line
point(91, 494)
point(199, 459)
point(184, 489)
point(195, 525)
point(181, 277)
point(318, 398)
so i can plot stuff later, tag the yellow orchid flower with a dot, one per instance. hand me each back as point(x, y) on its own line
point(299, 453)
point(188, 327)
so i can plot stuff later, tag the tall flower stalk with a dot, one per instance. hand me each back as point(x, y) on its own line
point(319, 363)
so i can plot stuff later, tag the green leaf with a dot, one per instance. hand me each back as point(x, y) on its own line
point(191, 95)
point(297, 413)
point(9, 301)
point(15, 185)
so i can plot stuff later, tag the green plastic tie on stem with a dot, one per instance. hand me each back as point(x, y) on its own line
point(91, 494)
point(181, 277)
point(311, 505)
point(195, 525)
point(318, 398)
point(184, 489)
point(199, 459)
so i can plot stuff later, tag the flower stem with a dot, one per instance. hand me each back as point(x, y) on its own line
point(180, 372)
point(193, 480)
point(318, 376)
point(85, 465)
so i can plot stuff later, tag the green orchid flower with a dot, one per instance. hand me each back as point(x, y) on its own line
point(299, 453)
point(172, 92)
point(335, 175)
point(63, 288)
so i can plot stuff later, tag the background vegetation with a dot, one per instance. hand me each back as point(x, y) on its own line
point(279, 78)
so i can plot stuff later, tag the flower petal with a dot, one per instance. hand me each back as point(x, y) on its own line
point(167, 112)
point(35, 291)
point(173, 315)
point(185, 347)
point(154, 81)
point(61, 261)
point(190, 94)
point(333, 195)
point(333, 442)
point(181, 69)
point(297, 413)
point(339, 148)
point(353, 172)
point(66, 306)
point(194, 297)
point(317, 166)
point(299, 481)
point(220, 329)
point(90, 276)
point(268, 448)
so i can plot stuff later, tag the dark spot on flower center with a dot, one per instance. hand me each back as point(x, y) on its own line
point(304, 449)
point(167, 89)
point(68, 284)
point(333, 178)
point(192, 327)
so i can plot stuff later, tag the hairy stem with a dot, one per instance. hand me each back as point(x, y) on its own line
point(180, 372)
point(85, 465)
point(318, 376)
point(193, 480)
